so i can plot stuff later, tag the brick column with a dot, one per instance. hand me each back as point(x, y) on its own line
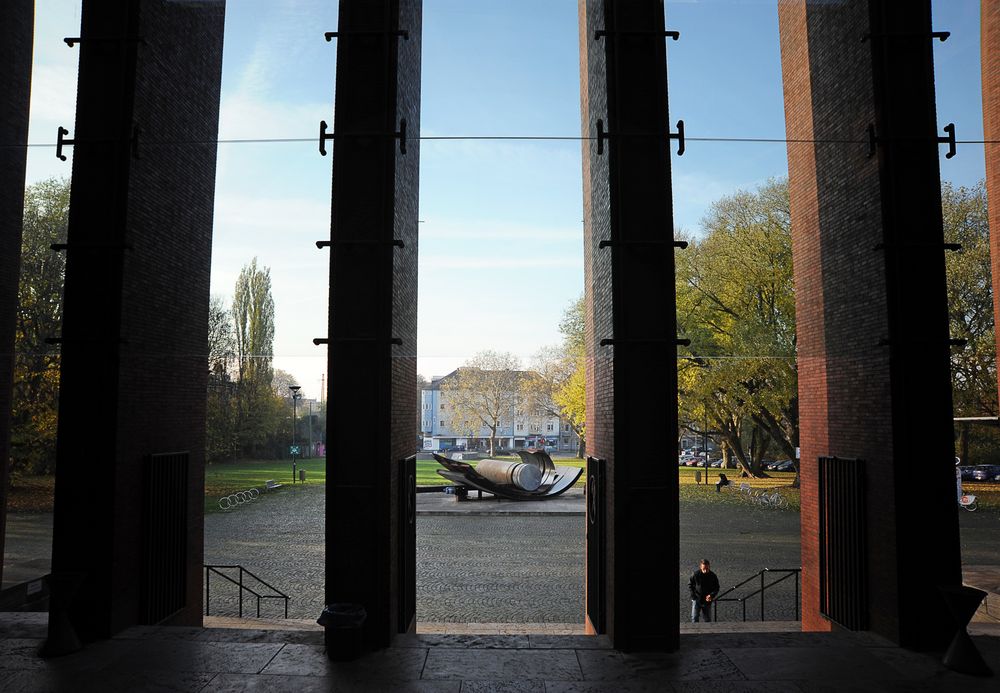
point(990, 52)
point(16, 29)
point(136, 311)
point(874, 378)
point(630, 300)
point(373, 294)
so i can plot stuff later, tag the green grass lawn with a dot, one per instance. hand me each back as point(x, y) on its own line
point(779, 482)
point(225, 478)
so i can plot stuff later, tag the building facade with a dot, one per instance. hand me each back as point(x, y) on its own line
point(520, 429)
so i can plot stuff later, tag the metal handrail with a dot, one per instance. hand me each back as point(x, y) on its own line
point(209, 569)
point(789, 572)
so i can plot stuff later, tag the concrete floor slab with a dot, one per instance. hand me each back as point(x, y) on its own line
point(502, 665)
point(685, 665)
point(824, 663)
point(311, 660)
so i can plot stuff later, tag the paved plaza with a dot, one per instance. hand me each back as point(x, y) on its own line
point(483, 562)
point(493, 562)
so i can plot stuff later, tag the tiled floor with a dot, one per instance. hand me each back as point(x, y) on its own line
point(709, 661)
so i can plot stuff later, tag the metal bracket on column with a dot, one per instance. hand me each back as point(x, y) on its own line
point(327, 244)
point(949, 140)
point(324, 136)
point(61, 141)
point(874, 140)
point(677, 244)
point(645, 340)
point(73, 40)
point(602, 135)
point(941, 35)
point(679, 136)
point(601, 33)
point(327, 340)
point(399, 33)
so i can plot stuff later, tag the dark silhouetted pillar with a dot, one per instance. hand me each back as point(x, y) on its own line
point(631, 317)
point(373, 302)
point(128, 521)
point(16, 28)
point(871, 311)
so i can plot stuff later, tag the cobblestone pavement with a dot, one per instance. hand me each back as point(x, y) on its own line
point(494, 569)
point(505, 569)
point(279, 537)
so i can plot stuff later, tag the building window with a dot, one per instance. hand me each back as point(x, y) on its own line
point(442, 406)
point(548, 427)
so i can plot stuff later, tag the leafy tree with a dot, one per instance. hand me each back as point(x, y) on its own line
point(556, 386)
point(484, 390)
point(39, 315)
point(735, 302)
point(259, 412)
point(970, 312)
point(253, 316)
point(280, 380)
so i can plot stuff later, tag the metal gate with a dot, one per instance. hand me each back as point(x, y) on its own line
point(596, 578)
point(843, 545)
point(407, 514)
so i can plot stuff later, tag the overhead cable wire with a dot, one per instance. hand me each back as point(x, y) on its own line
point(498, 138)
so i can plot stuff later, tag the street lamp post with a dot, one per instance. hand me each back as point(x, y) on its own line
point(295, 400)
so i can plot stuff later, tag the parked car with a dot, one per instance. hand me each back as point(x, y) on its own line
point(967, 473)
point(986, 472)
point(715, 463)
point(782, 466)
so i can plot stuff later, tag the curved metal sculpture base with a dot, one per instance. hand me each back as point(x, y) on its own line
point(554, 480)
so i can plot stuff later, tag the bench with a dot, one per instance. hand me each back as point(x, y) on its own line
point(271, 484)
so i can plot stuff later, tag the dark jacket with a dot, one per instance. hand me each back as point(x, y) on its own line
point(703, 584)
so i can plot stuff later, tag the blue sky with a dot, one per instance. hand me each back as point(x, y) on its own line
point(502, 219)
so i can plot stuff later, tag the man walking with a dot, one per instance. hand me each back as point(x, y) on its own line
point(704, 587)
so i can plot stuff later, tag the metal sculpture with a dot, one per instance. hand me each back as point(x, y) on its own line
point(535, 477)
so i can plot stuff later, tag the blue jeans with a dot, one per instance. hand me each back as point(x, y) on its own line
point(704, 611)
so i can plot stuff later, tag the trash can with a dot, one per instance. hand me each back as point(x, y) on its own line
point(345, 627)
point(302, 476)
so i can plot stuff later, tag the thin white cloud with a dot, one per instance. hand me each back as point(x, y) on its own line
point(484, 263)
point(487, 229)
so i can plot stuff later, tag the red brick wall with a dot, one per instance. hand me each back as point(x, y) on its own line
point(871, 301)
point(990, 51)
point(808, 275)
point(632, 382)
point(373, 289)
point(136, 294)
